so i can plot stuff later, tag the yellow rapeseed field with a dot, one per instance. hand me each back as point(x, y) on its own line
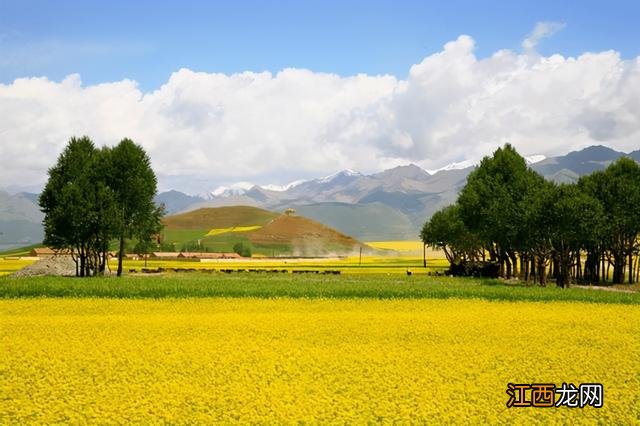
point(413, 246)
point(218, 231)
point(284, 360)
point(9, 265)
point(349, 265)
point(407, 248)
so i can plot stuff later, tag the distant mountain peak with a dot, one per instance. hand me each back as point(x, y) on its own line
point(342, 173)
point(282, 188)
point(236, 189)
point(599, 152)
point(453, 166)
point(533, 159)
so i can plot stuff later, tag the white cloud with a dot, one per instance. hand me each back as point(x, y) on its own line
point(203, 130)
point(540, 31)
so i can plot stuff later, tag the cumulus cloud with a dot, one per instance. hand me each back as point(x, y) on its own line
point(540, 31)
point(207, 129)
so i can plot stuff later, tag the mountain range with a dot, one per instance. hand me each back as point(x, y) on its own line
point(390, 205)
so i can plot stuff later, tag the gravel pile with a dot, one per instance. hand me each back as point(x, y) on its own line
point(54, 265)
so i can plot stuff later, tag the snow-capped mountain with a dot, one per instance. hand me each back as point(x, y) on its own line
point(241, 188)
point(235, 189)
point(533, 159)
point(282, 188)
point(453, 166)
point(343, 173)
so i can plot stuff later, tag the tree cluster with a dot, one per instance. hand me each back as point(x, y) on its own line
point(243, 249)
point(95, 196)
point(535, 229)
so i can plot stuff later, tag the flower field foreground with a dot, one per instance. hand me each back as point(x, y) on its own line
point(286, 360)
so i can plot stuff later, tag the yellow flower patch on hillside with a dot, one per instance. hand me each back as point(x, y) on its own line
point(218, 231)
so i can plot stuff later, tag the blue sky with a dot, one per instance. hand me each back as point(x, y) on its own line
point(269, 92)
point(148, 40)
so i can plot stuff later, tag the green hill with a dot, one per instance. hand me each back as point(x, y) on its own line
point(267, 233)
point(220, 217)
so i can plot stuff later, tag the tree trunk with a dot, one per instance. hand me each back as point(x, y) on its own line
point(618, 268)
point(541, 270)
point(532, 272)
point(630, 268)
point(578, 266)
point(508, 265)
point(563, 268)
point(82, 262)
point(514, 264)
point(120, 256)
point(103, 264)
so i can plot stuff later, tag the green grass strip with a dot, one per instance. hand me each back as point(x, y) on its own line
point(195, 285)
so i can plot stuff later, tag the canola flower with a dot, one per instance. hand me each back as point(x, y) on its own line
point(414, 245)
point(413, 248)
point(286, 360)
point(9, 265)
point(349, 265)
point(218, 231)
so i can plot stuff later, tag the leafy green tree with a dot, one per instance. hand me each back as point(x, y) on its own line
point(78, 205)
point(618, 190)
point(134, 184)
point(446, 231)
point(596, 243)
point(492, 205)
point(538, 228)
point(242, 249)
point(574, 217)
point(95, 195)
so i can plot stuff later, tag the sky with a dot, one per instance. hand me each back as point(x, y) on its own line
point(275, 91)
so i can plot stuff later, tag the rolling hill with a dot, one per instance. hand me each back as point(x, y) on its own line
point(268, 233)
point(221, 217)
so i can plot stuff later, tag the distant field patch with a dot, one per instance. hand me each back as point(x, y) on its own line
point(407, 248)
point(10, 265)
point(218, 231)
point(397, 245)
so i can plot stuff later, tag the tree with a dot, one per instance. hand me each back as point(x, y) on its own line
point(538, 228)
point(95, 195)
point(134, 184)
point(77, 205)
point(446, 231)
point(492, 206)
point(242, 249)
point(516, 214)
point(147, 236)
point(618, 190)
point(574, 217)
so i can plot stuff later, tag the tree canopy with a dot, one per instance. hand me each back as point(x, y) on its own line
point(534, 228)
point(94, 196)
